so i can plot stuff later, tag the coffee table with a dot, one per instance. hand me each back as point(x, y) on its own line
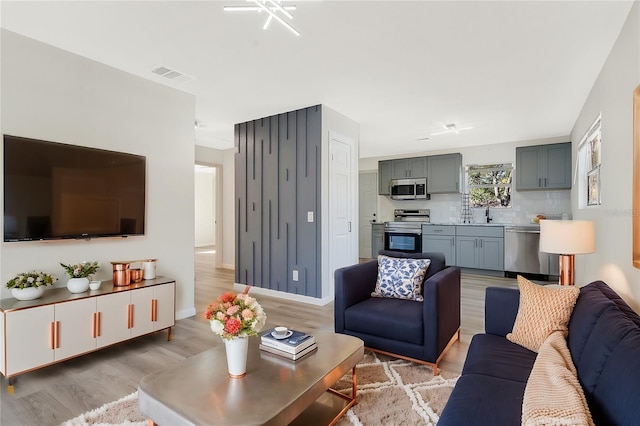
point(275, 390)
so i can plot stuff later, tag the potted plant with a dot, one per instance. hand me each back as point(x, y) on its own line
point(79, 275)
point(30, 285)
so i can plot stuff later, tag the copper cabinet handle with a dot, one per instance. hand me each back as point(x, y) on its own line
point(52, 344)
point(98, 324)
point(56, 339)
point(130, 316)
point(154, 309)
point(93, 326)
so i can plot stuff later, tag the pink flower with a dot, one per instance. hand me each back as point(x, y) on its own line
point(227, 297)
point(247, 314)
point(233, 325)
point(233, 310)
point(220, 316)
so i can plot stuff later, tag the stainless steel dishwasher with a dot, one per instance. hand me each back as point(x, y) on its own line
point(522, 252)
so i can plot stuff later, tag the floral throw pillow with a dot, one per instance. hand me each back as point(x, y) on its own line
point(400, 278)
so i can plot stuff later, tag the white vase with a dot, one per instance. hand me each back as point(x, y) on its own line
point(78, 285)
point(237, 356)
point(28, 293)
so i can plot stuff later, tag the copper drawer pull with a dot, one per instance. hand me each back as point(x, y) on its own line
point(93, 326)
point(98, 324)
point(154, 309)
point(130, 317)
point(57, 335)
point(52, 339)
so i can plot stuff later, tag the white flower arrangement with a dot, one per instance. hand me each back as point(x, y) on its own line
point(31, 279)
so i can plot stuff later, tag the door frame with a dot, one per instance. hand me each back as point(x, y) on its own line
point(353, 208)
point(218, 209)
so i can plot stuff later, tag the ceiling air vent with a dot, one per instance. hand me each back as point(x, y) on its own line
point(170, 74)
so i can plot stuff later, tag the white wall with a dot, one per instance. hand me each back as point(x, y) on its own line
point(205, 230)
point(51, 94)
point(334, 122)
point(224, 158)
point(612, 95)
point(445, 208)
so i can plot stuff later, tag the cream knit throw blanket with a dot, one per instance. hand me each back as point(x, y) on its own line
point(553, 395)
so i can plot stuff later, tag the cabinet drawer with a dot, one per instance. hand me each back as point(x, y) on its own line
point(480, 231)
point(438, 230)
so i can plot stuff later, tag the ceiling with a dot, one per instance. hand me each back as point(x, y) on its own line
point(512, 70)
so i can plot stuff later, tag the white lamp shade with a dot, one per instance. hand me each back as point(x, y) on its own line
point(567, 236)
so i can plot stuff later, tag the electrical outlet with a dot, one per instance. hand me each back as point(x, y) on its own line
point(295, 275)
point(309, 216)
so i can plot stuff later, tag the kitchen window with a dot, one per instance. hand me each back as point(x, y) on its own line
point(489, 184)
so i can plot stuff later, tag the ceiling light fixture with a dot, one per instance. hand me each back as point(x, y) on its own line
point(272, 7)
point(451, 128)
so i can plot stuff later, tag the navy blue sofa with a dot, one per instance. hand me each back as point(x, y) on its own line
point(604, 340)
point(418, 331)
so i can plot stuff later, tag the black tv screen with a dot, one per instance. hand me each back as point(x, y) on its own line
point(59, 191)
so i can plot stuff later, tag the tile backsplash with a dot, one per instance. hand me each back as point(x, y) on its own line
point(445, 208)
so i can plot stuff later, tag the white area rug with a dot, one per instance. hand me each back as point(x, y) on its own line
point(390, 392)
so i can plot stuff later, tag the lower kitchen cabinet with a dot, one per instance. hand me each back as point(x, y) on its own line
point(440, 239)
point(62, 325)
point(377, 239)
point(480, 247)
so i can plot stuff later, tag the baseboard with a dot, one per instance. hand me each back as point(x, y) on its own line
point(284, 295)
point(186, 313)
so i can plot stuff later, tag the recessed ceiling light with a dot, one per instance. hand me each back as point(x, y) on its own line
point(451, 128)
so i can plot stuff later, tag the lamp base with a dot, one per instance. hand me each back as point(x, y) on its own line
point(566, 269)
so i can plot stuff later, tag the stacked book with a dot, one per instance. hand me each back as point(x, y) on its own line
point(294, 345)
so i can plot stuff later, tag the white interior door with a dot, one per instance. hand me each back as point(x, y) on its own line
point(367, 210)
point(340, 206)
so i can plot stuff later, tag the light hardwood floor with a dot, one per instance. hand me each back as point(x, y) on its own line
point(60, 392)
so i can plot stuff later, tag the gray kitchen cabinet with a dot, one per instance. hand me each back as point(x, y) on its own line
point(409, 168)
point(543, 167)
point(440, 239)
point(480, 247)
point(384, 176)
point(377, 239)
point(444, 173)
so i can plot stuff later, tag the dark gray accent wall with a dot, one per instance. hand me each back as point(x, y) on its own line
point(277, 169)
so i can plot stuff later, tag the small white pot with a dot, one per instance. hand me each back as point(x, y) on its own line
point(78, 285)
point(29, 293)
point(237, 356)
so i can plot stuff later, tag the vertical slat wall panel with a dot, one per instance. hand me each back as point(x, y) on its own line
point(314, 149)
point(269, 198)
point(278, 243)
point(277, 184)
point(241, 197)
point(288, 197)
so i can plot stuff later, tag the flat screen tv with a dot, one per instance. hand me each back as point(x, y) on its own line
point(58, 191)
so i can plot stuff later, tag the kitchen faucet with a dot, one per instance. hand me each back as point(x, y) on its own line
point(486, 213)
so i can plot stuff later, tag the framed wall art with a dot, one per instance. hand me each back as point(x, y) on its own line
point(589, 161)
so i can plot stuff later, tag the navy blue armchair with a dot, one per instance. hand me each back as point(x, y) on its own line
point(416, 331)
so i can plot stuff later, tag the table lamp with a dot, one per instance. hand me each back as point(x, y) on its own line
point(567, 238)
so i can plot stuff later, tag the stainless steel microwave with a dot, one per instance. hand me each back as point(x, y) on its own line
point(409, 189)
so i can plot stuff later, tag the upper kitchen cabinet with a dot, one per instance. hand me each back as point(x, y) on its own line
point(401, 168)
point(444, 173)
point(409, 168)
point(384, 176)
point(543, 167)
